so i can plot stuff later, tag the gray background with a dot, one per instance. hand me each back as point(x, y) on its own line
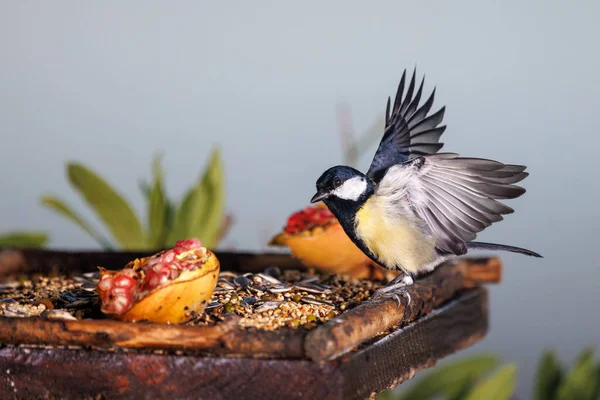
point(110, 83)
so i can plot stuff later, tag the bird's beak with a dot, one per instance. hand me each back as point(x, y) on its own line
point(319, 196)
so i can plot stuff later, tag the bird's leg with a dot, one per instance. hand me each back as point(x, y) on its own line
point(397, 288)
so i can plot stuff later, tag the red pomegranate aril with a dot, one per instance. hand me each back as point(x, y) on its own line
point(123, 281)
point(188, 244)
point(308, 218)
point(119, 290)
point(155, 278)
point(105, 283)
point(168, 257)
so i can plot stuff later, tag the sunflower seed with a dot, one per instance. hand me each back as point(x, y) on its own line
point(279, 288)
point(227, 275)
point(68, 297)
point(225, 284)
point(242, 281)
point(275, 272)
point(220, 290)
point(15, 311)
point(256, 288)
point(57, 314)
point(89, 286)
point(249, 300)
point(79, 303)
point(92, 275)
point(268, 305)
point(321, 285)
point(213, 305)
point(310, 288)
point(269, 279)
point(7, 285)
point(85, 293)
point(316, 302)
point(309, 279)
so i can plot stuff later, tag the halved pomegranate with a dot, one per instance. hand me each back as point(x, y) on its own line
point(317, 239)
point(306, 220)
point(165, 287)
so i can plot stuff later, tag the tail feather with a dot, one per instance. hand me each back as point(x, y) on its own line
point(502, 247)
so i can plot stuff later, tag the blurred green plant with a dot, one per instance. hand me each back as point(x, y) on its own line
point(201, 213)
point(22, 239)
point(469, 379)
point(580, 382)
point(352, 147)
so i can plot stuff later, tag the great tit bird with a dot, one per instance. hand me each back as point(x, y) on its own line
point(416, 208)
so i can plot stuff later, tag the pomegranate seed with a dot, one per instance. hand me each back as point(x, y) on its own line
point(119, 290)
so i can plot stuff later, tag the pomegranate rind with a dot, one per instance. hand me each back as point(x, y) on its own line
point(176, 301)
point(309, 220)
point(330, 250)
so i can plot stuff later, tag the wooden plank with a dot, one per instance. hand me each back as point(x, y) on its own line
point(30, 261)
point(380, 314)
point(326, 342)
point(397, 357)
point(382, 363)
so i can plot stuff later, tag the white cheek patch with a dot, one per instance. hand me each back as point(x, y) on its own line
point(352, 189)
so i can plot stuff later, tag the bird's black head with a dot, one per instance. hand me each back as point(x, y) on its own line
point(343, 187)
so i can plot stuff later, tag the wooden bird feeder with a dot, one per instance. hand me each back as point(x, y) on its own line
point(357, 354)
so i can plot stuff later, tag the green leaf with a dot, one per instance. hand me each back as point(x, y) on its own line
point(372, 135)
point(581, 381)
point(31, 240)
point(499, 386)
point(597, 390)
point(181, 222)
point(548, 376)
point(59, 206)
point(157, 208)
point(388, 395)
point(451, 379)
point(201, 212)
point(208, 213)
point(145, 188)
point(109, 206)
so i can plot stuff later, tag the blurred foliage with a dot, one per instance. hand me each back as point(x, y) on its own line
point(470, 379)
point(353, 147)
point(200, 214)
point(31, 240)
point(580, 382)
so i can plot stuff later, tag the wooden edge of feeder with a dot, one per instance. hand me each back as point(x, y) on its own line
point(349, 329)
point(15, 261)
point(334, 338)
point(223, 338)
point(456, 325)
point(387, 361)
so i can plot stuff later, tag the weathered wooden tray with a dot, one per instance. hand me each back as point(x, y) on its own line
point(362, 351)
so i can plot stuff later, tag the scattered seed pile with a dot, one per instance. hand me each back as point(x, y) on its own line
point(268, 300)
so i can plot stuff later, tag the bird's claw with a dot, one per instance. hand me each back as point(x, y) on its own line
point(398, 298)
point(396, 289)
point(396, 295)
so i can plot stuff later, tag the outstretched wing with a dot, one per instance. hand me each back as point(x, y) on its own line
point(409, 131)
point(455, 197)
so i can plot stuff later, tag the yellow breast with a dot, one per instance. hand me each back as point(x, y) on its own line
point(396, 241)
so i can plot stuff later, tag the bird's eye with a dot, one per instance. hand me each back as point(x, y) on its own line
point(337, 182)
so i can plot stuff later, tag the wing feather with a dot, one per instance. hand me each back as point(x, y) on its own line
point(409, 131)
point(412, 107)
point(427, 123)
point(455, 197)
